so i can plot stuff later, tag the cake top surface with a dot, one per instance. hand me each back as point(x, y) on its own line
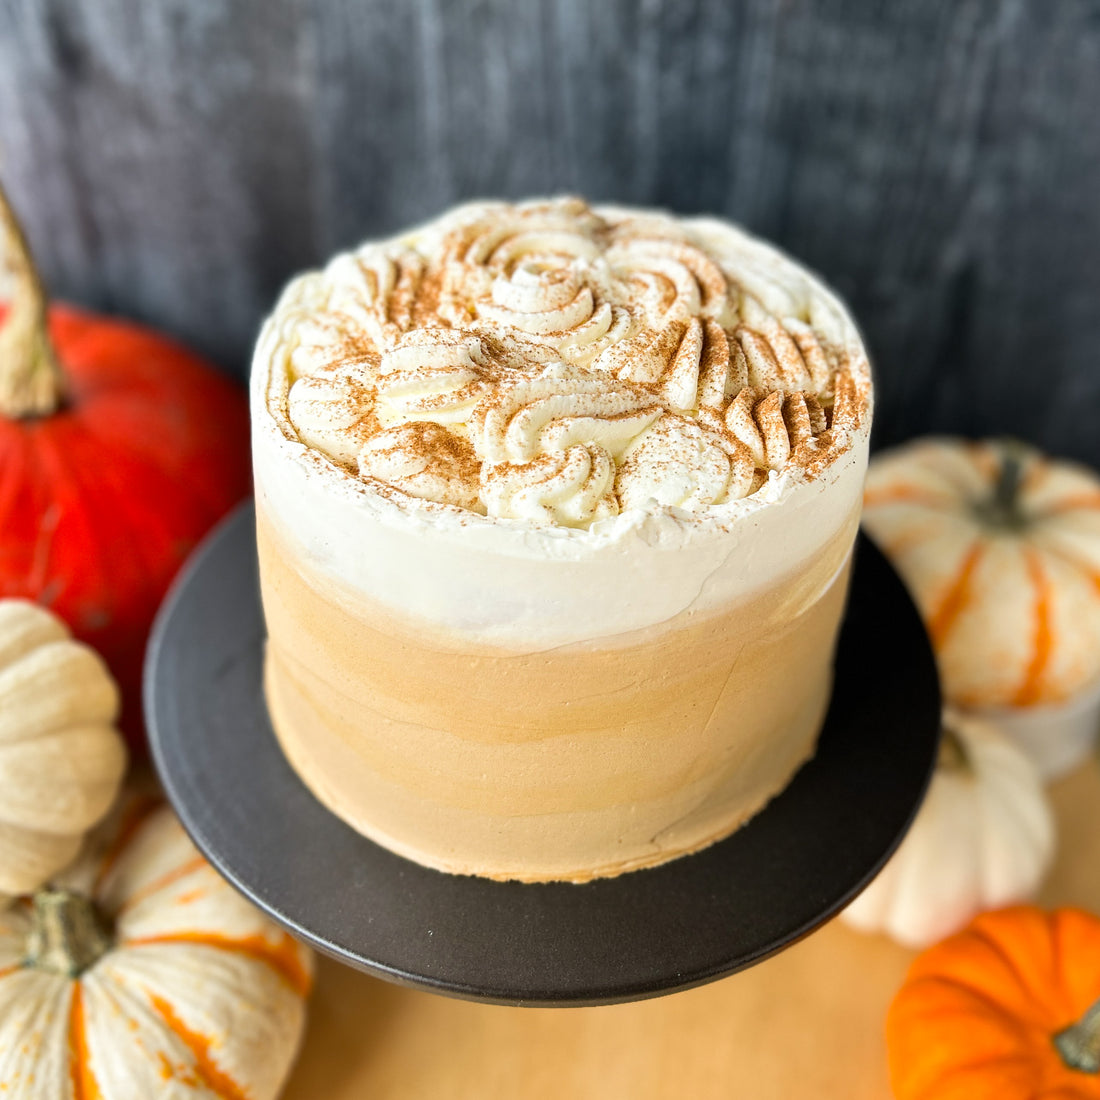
point(557, 364)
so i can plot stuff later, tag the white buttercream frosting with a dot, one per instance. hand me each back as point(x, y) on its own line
point(633, 414)
point(678, 462)
point(552, 335)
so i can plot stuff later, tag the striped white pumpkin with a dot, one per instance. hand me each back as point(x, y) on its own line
point(1000, 547)
point(168, 985)
point(61, 759)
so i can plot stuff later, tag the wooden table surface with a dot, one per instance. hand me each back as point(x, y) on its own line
point(807, 1023)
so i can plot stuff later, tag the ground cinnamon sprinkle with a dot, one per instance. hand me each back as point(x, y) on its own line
point(666, 317)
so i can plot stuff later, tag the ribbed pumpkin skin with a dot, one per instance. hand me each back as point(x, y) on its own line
point(61, 759)
point(1014, 614)
point(198, 997)
point(101, 502)
point(983, 838)
point(976, 1016)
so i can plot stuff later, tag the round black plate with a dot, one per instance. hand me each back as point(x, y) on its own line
point(649, 932)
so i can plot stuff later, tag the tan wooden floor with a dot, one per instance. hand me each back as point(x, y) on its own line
point(806, 1024)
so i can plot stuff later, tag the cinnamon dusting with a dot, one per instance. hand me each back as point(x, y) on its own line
point(562, 296)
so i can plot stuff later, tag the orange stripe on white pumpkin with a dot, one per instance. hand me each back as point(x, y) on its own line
point(284, 956)
point(1071, 504)
point(1030, 690)
point(191, 867)
point(166, 1069)
point(212, 1076)
point(84, 1084)
point(952, 605)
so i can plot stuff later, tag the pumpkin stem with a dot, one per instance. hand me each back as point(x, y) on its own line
point(1002, 509)
point(31, 382)
point(952, 754)
point(1079, 1045)
point(67, 934)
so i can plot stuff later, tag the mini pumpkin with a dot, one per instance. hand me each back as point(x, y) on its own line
point(61, 759)
point(119, 449)
point(983, 837)
point(141, 973)
point(1008, 1009)
point(1000, 547)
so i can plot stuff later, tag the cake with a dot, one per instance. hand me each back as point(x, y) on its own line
point(555, 507)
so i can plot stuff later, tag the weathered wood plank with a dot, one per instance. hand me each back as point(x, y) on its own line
point(940, 163)
point(160, 172)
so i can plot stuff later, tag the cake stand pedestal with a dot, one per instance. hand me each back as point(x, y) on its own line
point(801, 859)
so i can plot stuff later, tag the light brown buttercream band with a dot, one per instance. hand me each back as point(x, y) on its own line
point(579, 762)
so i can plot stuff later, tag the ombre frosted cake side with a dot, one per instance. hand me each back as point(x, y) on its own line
point(555, 508)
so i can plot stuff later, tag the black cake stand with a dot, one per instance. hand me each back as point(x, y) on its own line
point(796, 864)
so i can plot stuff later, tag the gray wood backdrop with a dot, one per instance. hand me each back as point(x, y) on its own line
point(937, 160)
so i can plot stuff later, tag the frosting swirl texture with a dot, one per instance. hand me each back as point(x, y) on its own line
point(553, 363)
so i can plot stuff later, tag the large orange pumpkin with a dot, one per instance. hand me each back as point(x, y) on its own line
point(1007, 1009)
point(118, 450)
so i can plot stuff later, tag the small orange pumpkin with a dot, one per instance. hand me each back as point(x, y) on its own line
point(1007, 1009)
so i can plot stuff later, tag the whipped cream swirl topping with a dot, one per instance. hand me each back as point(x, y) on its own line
point(556, 364)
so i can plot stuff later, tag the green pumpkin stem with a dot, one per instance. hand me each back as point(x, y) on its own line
point(1002, 509)
point(952, 753)
point(31, 382)
point(1079, 1045)
point(67, 933)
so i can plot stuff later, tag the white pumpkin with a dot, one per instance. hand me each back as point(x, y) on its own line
point(142, 974)
point(1000, 547)
point(61, 759)
point(983, 838)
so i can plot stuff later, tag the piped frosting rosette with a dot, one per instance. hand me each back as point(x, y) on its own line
point(557, 364)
